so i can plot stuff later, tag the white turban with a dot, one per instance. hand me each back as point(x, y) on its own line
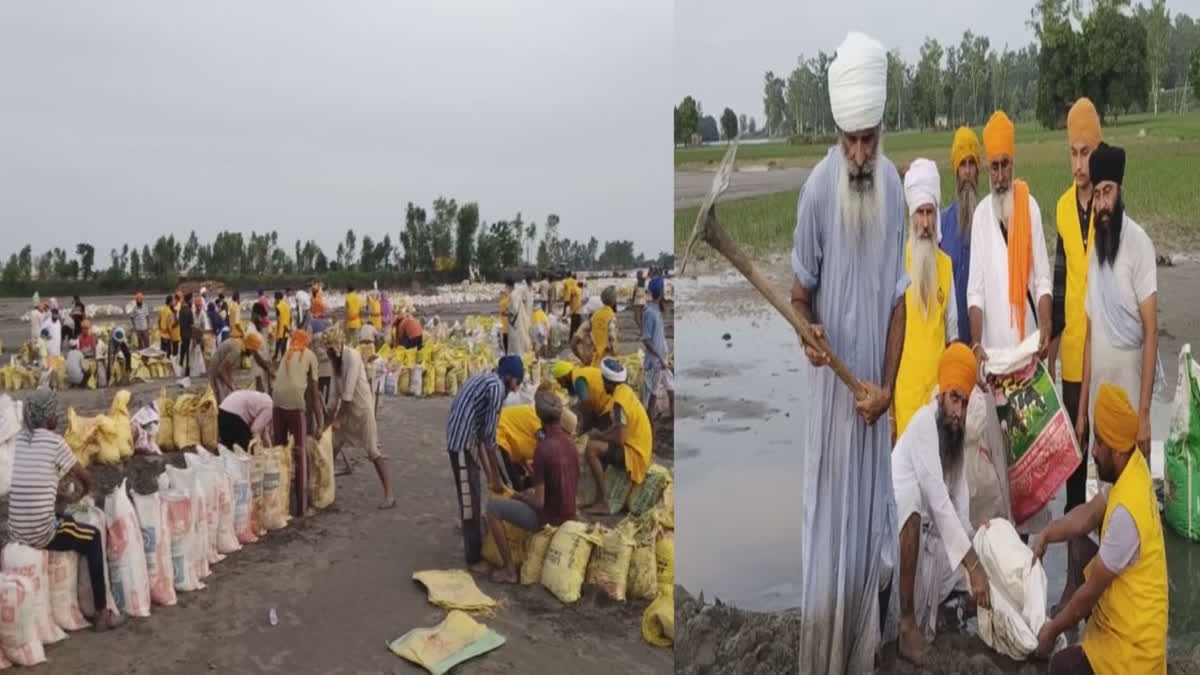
point(858, 83)
point(612, 370)
point(923, 186)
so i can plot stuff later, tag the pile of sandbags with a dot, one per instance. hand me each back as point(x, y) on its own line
point(10, 424)
point(106, 439)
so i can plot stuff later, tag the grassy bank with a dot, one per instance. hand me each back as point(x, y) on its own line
point(1163, 155)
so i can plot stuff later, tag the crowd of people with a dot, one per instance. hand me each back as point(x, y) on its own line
point(951, 286)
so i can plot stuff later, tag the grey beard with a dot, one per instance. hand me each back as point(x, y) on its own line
point(924, 271)
point(859, 205)
point(968, 199)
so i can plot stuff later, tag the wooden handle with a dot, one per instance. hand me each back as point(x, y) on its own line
point(715, 236)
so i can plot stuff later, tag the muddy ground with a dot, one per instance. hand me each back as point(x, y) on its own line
point(341, 583)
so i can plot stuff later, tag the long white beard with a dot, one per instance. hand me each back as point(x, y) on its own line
point(861, 213)
point(924, 271)
point(1002, 204)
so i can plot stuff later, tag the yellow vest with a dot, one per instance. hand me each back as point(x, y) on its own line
point(924, 342)
point(1075, 329)
point(597, 399)
point(600, 320)
point(639, 438)
point(285, 320)
point(375, 308)
point(1127, 632)
point(516, 432)
point(164, 320)
point(353, 311)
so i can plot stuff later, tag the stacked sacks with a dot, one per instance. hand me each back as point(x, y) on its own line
point(185, 421)
point(166, 426)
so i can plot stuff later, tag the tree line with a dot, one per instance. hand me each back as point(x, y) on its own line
point(442, 244)
point(1125, 58)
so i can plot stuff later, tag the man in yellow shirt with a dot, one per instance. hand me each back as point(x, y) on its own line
point(375, 311)
point(1124, 595)
point(586, 384)
point(283, 324)
point(931, 314)
point(603, 327)
point(517, 437)
point(168, 327)
point(573, 301)
point(505, 299)
point(627, 442)
point(235, 316)
point(541, 333)
point(353, 315)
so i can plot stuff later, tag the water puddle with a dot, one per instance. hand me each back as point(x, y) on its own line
point(740, 412)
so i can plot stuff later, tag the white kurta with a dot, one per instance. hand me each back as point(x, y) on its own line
point(519, 340)
point(987, 282)
point(943, 503)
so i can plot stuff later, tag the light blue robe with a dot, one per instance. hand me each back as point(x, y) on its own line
point(849, 536)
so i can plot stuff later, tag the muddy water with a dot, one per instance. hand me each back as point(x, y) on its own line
point(741, 408)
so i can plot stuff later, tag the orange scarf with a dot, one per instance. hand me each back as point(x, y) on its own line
point(1020, 253)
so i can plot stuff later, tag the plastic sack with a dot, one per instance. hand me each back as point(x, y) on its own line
point(321, 485)
point(153, 519)
point(1018, 591)
point(195, 540)
point(185, 423)
point(237, 466)
point(34, 565)
point(118, 411)
point(566, 560)
point(1043, 450)
point(984, 461)
point(145, 430)
point(88, 513)
point(126, 555)
point(179, 528)
point(208, 483)
point(166, 426)
point(274, 499)
point(518, 540)
point(10, 424)
point(608, 567)
point(64, 590)
point(456, 639)
point(415, 381)
point(18, 625)
point(1181, 487)
point(206, 411)
point(258, 463)
point(643, 497)
point(642, 582)
point(664, 557)
point(620, 485)
point(454, 589)
point(535, 556)
point(658, 622)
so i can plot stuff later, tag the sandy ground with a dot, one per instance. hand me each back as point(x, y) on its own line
point(342, 584)
point(691, 187)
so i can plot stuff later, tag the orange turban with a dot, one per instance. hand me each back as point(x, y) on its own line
point(957, 369)
point(999, 138)
point(966, 144)
point(252, 342)
point(1083, 124)
point(299, 343)
point(1115, 420)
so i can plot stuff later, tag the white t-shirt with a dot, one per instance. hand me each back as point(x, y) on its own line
point(55, 327)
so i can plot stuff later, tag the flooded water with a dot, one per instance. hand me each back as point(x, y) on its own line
point(741, 407)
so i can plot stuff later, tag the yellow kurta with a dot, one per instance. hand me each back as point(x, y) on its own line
point(1127, 632)
point(924, 342)
point(1075, 327)
point(285, 320)
point(516, 432)
point(235, 320)
point(353, 311)
point(600, 327)
point(639, 437)
point(375, 309)
point(597, 399)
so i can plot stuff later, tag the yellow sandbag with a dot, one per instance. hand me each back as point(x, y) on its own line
point(518, 539)
point(404, 381)
point(123, 433)
point(428, 386)
point(439, 379)
point(664, 555)
point(78, 434)
point(535, 556)
point(320, 469)
point(454, 589)
point(619, 484)
point(643, 497)
point(438, 649)
point(643, 567)
point(166, 427)
point(206, 412)
point(566, 560)
point(665, 512)
point(609, 564)
point(185, 422)
point(658, 623)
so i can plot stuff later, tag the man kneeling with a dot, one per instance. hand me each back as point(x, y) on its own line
point(932, 503)
point(551, 500)
point(1125, 583)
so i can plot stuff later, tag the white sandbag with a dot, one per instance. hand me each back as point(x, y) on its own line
point(180, 527)
point(88, 513)
point(156, 537)
point(10, 424)
point(18, 625)
point(145, 429)
point(416, 380)
point(34, 564)
point(64, 590)
point(1018, 592)
point(227, 541)
point(237, 466)
point(196, 541)
point(206, 477)
point(126, 554)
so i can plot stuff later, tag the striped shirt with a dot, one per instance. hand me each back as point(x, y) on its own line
point(41, 459)
point(475, 412)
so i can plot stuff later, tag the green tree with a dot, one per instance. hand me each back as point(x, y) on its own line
point(442, 227)
point(1059, 79)
point(752, 126)
point(87, 259)
point(190, 249)
point(709, 131)
point(467, 220)
point(1156, 21)
point(689, 119)
point(530, 237)
point(351, 245)
point(742, 124)
point(617, 254)
point(12, 270)
point(774, 103)
point(135, 265)
point(1116, 77)
point(926, 85)
point(729, 124)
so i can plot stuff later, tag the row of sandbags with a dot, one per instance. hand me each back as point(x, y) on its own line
point(190, 420)
point(156, 545)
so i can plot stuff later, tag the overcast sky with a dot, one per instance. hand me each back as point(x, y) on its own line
point(723, 49)
point(120, 121)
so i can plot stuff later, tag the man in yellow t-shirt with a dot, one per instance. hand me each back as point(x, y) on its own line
point(627, 442)
point(517, 437)
point(1123, 594)
point(505, 299)
point(168, 327)
point(353, 315)
point(931, 315)
point(283, 324)
point(602, 327)
point(541, 333)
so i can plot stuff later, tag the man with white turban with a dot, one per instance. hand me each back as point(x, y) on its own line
point(931, 315)
point(850, 219)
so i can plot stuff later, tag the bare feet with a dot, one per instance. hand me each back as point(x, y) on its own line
point(481, 567)
point(503, 576)
point(388, 503)
point(913, 646)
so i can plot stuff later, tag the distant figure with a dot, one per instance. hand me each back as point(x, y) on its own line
point(139, 318)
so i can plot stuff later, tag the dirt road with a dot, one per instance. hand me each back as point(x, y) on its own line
point(691, 187)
